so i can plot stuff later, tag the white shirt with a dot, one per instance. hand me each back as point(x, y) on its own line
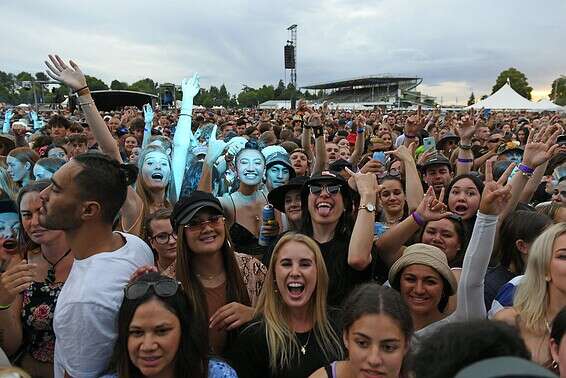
point(85, 320)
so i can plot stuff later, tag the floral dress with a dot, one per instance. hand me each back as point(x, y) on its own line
point(38, 308)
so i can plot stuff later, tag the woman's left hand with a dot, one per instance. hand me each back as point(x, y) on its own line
point(231, 316)
point(496, 195)
point(365, 183)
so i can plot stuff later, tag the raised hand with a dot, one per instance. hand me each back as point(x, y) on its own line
point(7, 118)
point(235, 145)
point(148, 113)
point(215, 147)
point(541, 146)
point(231, 316)
point(191, 87)
point(466, 128)
point(495, 195)
point(70, 76)
point(33, 116)
point(364, 183)
point(403, 153)
point(432, 208)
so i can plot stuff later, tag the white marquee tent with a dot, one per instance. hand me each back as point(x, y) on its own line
point(505, 98)
point(549, 106)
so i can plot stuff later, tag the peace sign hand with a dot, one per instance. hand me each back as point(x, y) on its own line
point(432, 208)
point(70, 76)
point(496, 195)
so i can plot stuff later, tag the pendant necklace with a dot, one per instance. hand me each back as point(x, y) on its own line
point(304, 347)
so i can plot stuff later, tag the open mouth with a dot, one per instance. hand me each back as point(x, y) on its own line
point(324, 208)
point(207, 238)
point(295, 289)
point(157, 176)
point(460, 208)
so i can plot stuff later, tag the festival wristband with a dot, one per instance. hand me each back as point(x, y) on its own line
point(465, 146)
point(317, 131)
point(526, 169)
point(184, 114)
point(418, 218)
point(360, 130)
point(465, 160)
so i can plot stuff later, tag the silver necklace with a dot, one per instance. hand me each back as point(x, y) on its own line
point(304, 347)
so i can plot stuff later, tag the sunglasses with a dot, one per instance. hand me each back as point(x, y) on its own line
point(196, 225)
point(330, 189)
point(163, 237)
point(164, 287)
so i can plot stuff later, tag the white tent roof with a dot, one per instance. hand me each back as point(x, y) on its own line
point(505, 98)
point(548, 105)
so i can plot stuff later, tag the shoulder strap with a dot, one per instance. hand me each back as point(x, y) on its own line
point(328, 369)
point(234, 206)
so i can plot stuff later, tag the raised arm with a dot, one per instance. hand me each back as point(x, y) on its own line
point(184, 138)
point(215, 149)
point(321, 158)
point(466, 130)
point(7, 118)
point(37, 122)
point(360, 141)
point(148, 121)
point(413, 186)
point(359, 250)
point(74, 78)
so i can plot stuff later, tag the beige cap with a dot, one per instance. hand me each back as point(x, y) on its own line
point(424, 254)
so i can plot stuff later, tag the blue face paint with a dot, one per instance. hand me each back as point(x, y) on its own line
point(156, 170)
point(276, 176)
point(250, 167)
point(16, 169)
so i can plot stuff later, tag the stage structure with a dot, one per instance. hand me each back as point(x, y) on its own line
point(387, 90)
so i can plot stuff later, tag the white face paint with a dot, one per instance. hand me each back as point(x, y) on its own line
point(57, 152)
point(9, 224)
point(41, 173)
point(250, 167)
point(156, 170)
point(16, 169)
point(277, 176)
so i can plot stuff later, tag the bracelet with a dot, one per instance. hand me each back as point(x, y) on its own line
point(361, 130)
point(465, 146)
point(526, 169)
point(185, 114)
point(81, 89)
point(86, 103)
point(465, 160)
point(418, 218)
point(307, 127)
point(317, 131)
point(5, 307)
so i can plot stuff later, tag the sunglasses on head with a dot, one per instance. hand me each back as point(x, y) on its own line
point(330, 189)
point(164, 287)
point(197, 225)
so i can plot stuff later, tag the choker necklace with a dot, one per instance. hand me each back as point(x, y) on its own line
point(58, 261)
point(304, 347)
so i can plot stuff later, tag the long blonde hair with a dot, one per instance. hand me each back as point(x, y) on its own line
point(281, 339)
point(532, 298)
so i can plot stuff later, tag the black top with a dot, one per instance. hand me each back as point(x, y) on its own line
point(343, 278)
point(249, 355)
point(495, 278)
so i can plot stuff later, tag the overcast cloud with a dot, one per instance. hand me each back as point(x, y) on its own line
point(455, 46)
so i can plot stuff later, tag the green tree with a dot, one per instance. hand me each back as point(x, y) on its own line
point(517, 79)
point(117, 85)
point(558, 92)
point(472, 99)
point(279, 90)
point(146, 86)
point(95, 84)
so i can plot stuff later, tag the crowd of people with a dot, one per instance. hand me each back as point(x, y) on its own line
point(312, 242)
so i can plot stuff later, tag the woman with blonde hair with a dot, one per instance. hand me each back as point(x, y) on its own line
point(540, 294)
point(293, 333)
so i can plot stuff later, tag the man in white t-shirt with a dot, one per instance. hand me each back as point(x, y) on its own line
point(83, 199)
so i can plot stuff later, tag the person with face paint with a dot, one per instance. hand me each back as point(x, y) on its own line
point(44, 168)
point(20, 163)
point(278, 170)
point(47, 261)
point(294, 333)
point(8, 189)
point(9, 225)
point(243, 208)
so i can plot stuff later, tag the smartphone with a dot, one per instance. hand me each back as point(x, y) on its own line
point(561, 141)
point(486, 114)
point(429, 144)
point(379, 156)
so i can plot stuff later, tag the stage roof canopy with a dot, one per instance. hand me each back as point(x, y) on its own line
point(364, 81)
point(113, 100)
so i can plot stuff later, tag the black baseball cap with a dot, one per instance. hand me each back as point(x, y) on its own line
point(276, 197)
point(436, 159)
point(186, 208)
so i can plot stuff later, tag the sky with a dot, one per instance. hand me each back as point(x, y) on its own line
point(456, 47)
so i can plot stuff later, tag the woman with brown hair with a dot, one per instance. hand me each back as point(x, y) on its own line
point(20, 163)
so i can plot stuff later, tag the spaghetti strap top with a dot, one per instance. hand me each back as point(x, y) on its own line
point(331, 370)
point(243, 239)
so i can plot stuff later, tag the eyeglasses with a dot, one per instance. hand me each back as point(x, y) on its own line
point(330, 189)
point(164, 237)
point(164, 287)
point(197, 225)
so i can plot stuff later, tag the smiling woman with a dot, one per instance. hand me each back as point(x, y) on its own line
point(293, 333)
